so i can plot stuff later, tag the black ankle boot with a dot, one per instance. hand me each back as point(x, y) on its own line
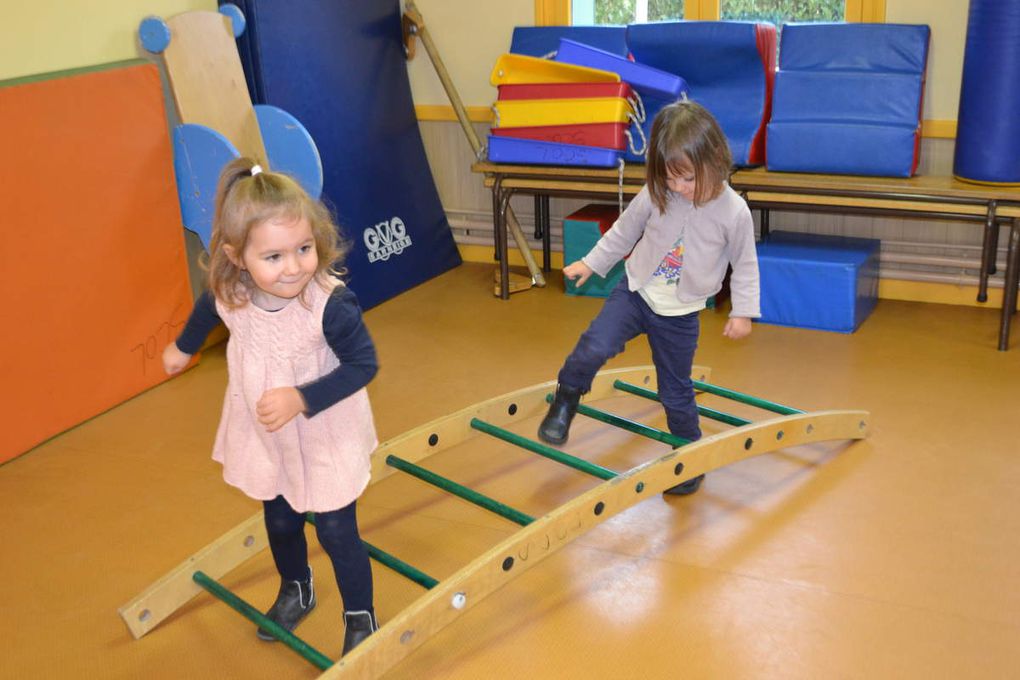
point(358, 626)
point(293, 603)
point(686, 488)
point(555, 426)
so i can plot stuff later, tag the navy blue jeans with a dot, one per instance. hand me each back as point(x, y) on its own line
point(673, 339)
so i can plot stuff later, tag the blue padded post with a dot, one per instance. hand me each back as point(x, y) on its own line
point(848, 99)
point(988, 125)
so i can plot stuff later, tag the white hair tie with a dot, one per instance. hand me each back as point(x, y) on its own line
point(255, 169)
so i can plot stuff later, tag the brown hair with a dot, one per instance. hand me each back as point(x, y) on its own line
point(244, 201)
point(687, 138)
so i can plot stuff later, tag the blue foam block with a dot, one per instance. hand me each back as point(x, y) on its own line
point(818, 281)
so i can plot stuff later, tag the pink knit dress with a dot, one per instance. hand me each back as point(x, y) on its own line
point(318, 464)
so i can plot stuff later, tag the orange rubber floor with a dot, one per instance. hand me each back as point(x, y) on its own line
point(893, 557)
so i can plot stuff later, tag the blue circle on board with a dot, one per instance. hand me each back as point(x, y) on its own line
point(236, 17)
point(154, 34)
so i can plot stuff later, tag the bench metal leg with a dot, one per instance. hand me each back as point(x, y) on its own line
point(1009, 296)
point(546, 235)
point(989, 246)
point(503, 240)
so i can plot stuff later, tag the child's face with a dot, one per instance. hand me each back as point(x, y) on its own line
point(682, 182)
point(280, 256)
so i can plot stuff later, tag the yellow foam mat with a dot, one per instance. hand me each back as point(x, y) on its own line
point(512, 69)
point(532, 112)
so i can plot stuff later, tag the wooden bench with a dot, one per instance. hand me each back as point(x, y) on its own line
point(929, 196)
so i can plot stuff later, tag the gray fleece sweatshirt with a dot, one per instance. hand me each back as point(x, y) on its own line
point(717, 233)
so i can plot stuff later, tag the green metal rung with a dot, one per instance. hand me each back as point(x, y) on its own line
point(703, 410)
point(401, 567)
point(746, 399)
point(391, 561)
point(543, 450)
point(629, 425)
point(320, 660)
point(727, 418)
point(456, 489)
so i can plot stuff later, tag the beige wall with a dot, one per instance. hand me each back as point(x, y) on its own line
point(38, 36)
point(469, 36)
point(948, 21)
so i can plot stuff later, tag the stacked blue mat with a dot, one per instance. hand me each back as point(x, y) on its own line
point(848, 99)
point(338, 66)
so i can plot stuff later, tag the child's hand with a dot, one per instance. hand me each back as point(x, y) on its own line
point(174, 360)
point(578, 272)
point(737, 327)
point(278, 406)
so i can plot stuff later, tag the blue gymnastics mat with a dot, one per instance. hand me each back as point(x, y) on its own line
point(338, 66)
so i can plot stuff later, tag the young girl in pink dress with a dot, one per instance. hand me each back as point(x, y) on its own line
point(297, 429)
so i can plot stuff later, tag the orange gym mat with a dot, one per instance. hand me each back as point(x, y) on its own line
point(93, 255)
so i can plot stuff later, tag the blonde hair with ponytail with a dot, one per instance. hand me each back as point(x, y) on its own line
point(248, 196)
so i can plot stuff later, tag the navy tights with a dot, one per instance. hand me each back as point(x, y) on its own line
point(338, 534)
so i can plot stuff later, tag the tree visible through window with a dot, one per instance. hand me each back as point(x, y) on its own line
point(620, 12)
point(778, 12)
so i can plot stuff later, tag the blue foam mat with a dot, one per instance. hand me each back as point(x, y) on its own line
point(531, 151)
point(723, 69)
point(848, 99)
point(338, 66)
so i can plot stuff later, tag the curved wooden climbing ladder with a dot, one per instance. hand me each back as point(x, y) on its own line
point(446, 600)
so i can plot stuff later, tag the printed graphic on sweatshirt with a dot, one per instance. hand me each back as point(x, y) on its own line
point(669, 268)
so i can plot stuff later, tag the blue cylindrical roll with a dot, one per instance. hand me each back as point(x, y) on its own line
point(988, 125)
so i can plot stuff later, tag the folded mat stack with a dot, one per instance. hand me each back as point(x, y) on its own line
point(549, 113)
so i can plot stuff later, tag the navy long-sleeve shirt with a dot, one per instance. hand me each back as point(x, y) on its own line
point(345, 333)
